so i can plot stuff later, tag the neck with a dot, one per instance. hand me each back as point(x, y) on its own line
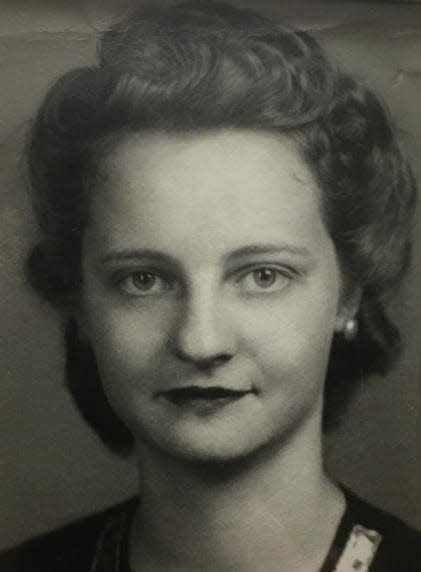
point(240, 515)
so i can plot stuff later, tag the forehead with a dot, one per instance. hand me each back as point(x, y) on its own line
point(227, 186)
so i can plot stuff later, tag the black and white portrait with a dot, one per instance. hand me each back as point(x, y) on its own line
point(210, 286)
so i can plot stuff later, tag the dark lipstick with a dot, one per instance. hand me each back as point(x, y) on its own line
point(208, 397)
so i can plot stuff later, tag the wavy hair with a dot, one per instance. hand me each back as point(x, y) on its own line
point(207, 65)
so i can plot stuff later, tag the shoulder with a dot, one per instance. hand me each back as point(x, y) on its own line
point(400, 546)
point(66, 549)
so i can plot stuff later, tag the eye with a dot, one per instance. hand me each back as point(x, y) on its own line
point(143, 283)
point(265, 279)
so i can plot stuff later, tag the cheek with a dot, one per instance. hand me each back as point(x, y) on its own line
point(127, 343)
point(291, 350)
point(292, 339)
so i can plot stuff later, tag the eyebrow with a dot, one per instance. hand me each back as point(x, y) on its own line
point(126, 255)
point(264, 248)
point(157, 256)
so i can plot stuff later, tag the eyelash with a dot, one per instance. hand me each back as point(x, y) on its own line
point(276, 272)
point(123, 284)
point(166, 284)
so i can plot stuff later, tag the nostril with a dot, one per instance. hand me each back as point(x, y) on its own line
point(205, 364)
point(210, 363)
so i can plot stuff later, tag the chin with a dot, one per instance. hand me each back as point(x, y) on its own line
point(228, 436)
point(222, 451)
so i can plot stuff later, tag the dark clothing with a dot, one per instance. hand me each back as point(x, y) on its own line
point(99, 543)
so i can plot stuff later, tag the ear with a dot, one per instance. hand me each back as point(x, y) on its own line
point(348, 308)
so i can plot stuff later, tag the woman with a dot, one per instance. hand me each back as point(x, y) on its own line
point(224, 216)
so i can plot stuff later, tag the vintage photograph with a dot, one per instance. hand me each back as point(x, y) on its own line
point(210, 286)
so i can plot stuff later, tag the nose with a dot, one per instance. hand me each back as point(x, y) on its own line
point(203, 333)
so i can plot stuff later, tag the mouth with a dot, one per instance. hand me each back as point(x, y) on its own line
point(203, 396)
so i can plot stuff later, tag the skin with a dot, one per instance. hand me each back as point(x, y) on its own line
point(207, 263)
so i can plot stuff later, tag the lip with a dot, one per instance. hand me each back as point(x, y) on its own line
point(204, 398)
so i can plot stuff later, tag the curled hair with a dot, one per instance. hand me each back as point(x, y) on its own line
point(203, 65)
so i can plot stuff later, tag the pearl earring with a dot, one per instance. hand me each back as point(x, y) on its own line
point(350, 329)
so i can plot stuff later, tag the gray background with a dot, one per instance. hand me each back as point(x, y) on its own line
point(52, 469)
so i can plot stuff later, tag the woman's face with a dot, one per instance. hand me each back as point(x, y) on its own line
point(211, 290)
